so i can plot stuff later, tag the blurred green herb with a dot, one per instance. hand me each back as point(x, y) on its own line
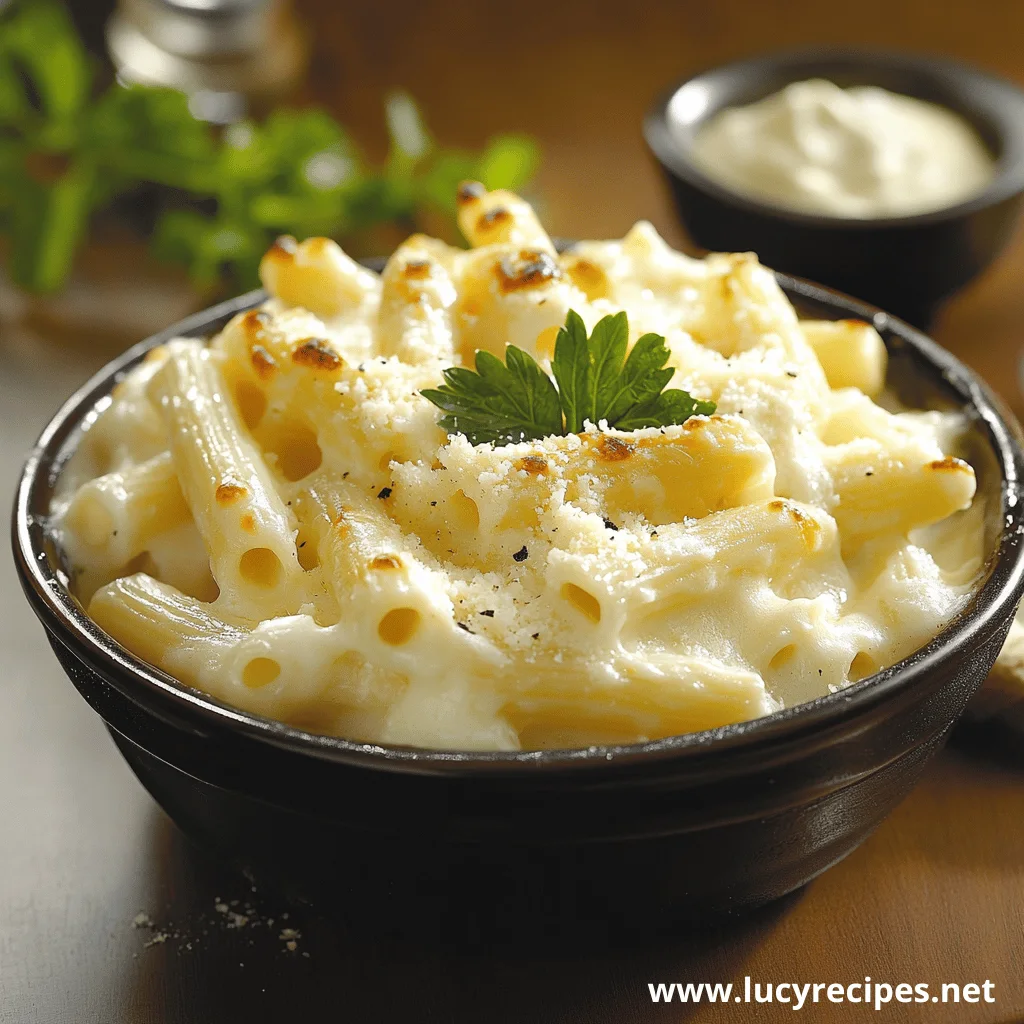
point(66, 152)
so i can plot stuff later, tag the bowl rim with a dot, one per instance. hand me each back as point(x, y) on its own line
point(1002, 100)
point(156, 691)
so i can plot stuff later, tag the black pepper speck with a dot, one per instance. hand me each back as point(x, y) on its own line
point(384, 493)
point(522, 554)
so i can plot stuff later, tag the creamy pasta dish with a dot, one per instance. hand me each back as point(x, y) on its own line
point(276, 517)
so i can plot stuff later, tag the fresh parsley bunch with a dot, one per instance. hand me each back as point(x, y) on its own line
point(66, 152)
point(503, 403)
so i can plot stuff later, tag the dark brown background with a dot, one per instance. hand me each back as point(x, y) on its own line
point(937, 894)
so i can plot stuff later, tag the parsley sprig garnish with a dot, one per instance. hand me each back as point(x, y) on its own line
point(504, 403)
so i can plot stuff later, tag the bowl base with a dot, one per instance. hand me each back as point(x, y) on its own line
point(411, 886)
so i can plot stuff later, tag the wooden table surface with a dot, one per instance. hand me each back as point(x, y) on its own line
point(936, 895)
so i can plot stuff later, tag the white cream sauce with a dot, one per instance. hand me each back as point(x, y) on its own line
point(860, 152)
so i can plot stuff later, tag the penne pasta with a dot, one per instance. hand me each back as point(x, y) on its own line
point(511, 295)
point(499, 218)
point(316, 275)
point(114, 516)
point(230, 491)
point(883, 490)
point(155, 622)
point(129, 430)
point(417, 295)
point(661, 697)
point(851, 353)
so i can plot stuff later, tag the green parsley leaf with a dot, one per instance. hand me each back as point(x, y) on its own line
point(571, 367)
point(642, 378)
point(608, 342)
point(517, 401)
point(501, 403)
point(666, 409)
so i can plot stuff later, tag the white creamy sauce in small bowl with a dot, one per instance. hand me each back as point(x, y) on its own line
point(862, 152)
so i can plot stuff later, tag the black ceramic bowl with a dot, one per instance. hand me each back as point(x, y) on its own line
point(604, 837)
point(907, 264)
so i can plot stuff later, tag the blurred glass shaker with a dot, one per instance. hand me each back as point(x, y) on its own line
point(232, 57)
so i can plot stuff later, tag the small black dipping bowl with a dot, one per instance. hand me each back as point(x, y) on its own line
point(908, 265)
point(603, 838)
